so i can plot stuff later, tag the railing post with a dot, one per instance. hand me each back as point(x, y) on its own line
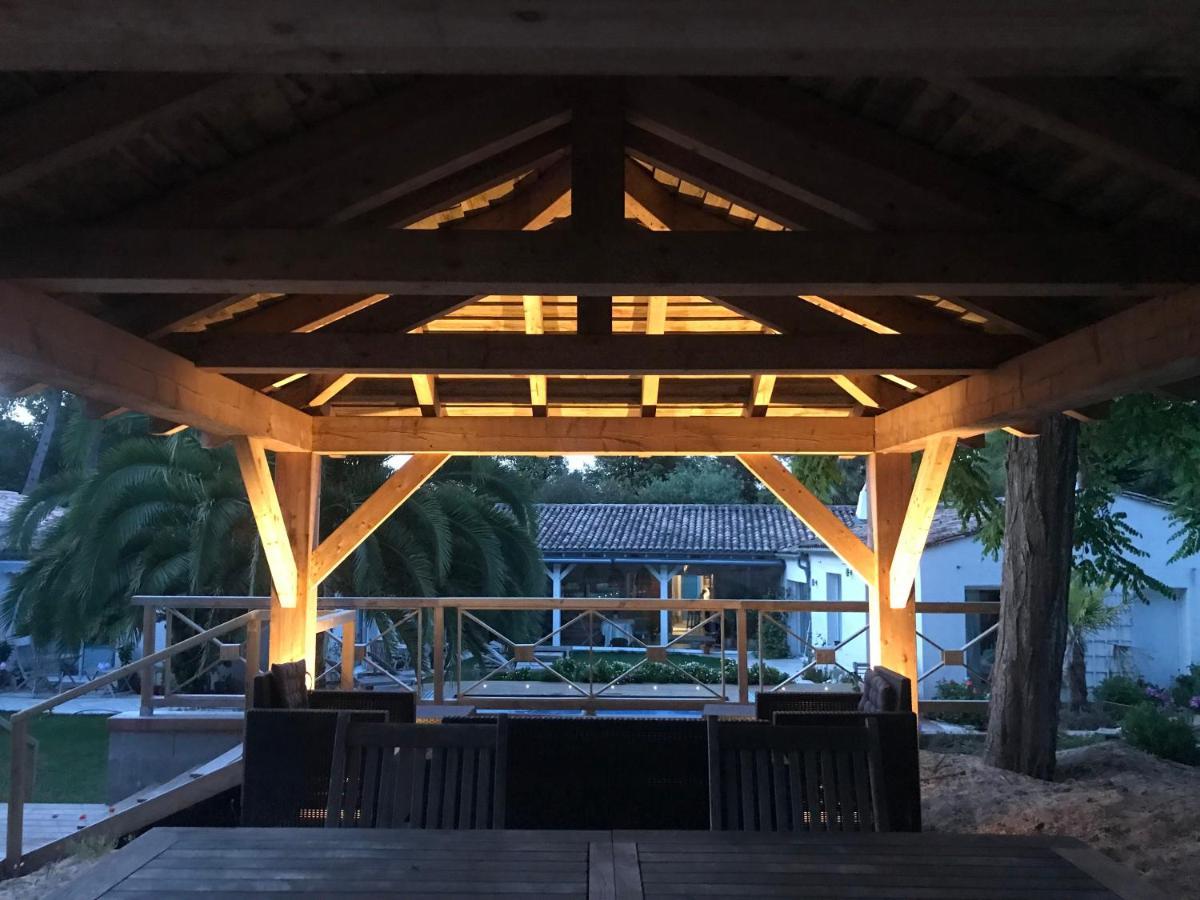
point(18, 782)
point(438, 656)
point(147, 679)
point(348, 638)
point(253, 657)
point(743, 668)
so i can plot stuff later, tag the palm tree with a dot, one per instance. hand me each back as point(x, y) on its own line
point(167, 516)
point(1087, 612)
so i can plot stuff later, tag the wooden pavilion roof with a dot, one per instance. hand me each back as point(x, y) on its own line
point(830, 242)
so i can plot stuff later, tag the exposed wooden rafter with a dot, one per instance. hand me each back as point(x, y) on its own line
point(562, 262)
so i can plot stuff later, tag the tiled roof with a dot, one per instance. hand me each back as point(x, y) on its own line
point(694, 529)
point(8, 505)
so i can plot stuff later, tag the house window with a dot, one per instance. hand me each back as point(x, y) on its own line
point(833, 591)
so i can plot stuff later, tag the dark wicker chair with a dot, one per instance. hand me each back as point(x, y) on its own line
point(286, 759)
point(272, 690)
point(898, 748)
point(417, 776)
point(605, 772)
point(886, 691)
point(768, 703)
point(766, 777)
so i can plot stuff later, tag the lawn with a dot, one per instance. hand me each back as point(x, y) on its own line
point(72, 759)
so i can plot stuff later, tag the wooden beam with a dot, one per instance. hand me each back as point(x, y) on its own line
point(594, 436)
point(656, 323)
point(534, 324)
point(892, 623)
point(1104, 118)
point(761, 389)
point(268, 516)
point(425, 387)
point(293, 633)
point(673, 354)
point(373, 512)
point(1152, 344)
point(813, 513)
point(46, 340)
point(597, 184)
point(773, 37)
point(922, 506)
point(629, 263)
point(873, 391)
point(96, 114)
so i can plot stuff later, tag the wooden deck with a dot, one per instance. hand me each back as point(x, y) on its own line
point(46, 823)
point(599, 864)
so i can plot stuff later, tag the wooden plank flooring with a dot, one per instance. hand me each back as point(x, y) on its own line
point(48, 822)
point(609, 865)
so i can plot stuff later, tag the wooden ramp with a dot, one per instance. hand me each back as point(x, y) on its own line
point(51, 829)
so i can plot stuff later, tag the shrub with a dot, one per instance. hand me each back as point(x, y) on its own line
point(1085, 719)
point(1186, 687)
point(1149, 728)
point(774, 638)
point(1121, 689)
point(949, 689)
point(603, 671)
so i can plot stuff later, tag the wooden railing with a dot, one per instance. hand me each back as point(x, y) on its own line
point(438, 662)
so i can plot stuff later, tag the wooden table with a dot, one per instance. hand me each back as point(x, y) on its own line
point(600, 864)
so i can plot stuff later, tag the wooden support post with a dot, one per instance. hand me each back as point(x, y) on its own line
point(293, 626)
point(597, 182)
point(931, 476)
point(348, 655)
point(893, 626)
point(743, 666)
point(253, 655)
point(268, 516)
point(438, 656)
point(18, 775)
point(149, 618)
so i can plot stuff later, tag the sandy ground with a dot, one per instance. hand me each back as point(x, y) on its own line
point(43, 881)
point(1142, 811)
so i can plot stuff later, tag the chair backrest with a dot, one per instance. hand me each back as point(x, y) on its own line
point(886, 691)
point(897, 749)
point(775, 778)
point(286, 759)
point(417, 776)
point(768, 703)
point(289, 683)
point(400, 706)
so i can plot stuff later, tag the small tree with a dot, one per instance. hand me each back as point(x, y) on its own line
point(1087, 612)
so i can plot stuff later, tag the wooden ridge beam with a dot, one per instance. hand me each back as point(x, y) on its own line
point(373, 512)
point(628, 263)
point(1152, 344)
point(268, 516)
point(43, 339)
point(569, 354)
point(505, 435)
point(770, 37)
point(597, 185)
point(922, 506)
point(812, 512)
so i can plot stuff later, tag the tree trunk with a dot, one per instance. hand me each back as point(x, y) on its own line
point(34, 475)
point(1077, 674)
point(1039, 512)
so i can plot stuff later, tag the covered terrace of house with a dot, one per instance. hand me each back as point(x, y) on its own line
point(747, 230)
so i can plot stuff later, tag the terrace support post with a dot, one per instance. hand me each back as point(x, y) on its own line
point(743, 667)
point(892, 620)
point(557, 573)
point(663, 576)
point(149, 618)
point(293, 633)
point(18, 780)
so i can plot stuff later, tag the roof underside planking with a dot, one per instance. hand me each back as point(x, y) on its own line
point(333, 248)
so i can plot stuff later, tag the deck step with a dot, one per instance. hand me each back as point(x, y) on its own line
point(52, 837)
